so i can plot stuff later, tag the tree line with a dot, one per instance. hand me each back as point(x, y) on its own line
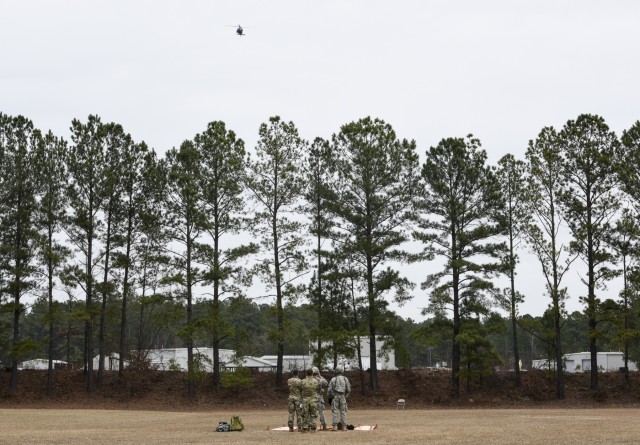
point(123, 249)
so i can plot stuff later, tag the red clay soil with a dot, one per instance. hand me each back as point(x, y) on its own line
point(158, 390)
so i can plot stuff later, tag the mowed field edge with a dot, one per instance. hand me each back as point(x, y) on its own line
point(433, 426)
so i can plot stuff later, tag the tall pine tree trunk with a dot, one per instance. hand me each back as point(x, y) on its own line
point(50, 307)
point(103, 307)
point(514, 313)
point(279, 308)
point(373, 365)
point(216, 305)
point(125, 293)
point(89, 308)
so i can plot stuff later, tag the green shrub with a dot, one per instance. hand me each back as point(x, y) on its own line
point(199, 371)
point(174, 365)
point(239, 379)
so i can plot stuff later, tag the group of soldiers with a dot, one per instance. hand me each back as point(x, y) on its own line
point(306, 400)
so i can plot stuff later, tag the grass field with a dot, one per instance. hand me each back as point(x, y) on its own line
point(473, 426)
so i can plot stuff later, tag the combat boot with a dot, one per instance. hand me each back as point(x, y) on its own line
point(291, 429)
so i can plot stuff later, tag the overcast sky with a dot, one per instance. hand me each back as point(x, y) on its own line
point(501, 70)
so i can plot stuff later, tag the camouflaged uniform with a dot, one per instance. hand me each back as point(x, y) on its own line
point(309, 403)
point(322, 384)
point(341, 387)
point(295, 401)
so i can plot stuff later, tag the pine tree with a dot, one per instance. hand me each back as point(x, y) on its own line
point(18, 229)
point(117, 145)
point(512, 216)
point(150, 262)
point(590, 200)
point(86, 164)
point(545, 178)
point(222, 164)
point(139, 199)
point(460, 199)
point(318, 169)
point(275, 182)
point(186, 222)
point(629, 174)
point(624, 240)
point(51, 169)
point(377, 182)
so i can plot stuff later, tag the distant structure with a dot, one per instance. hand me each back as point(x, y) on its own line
point(581, 362)
point(300, 362)
point(175, 359)
point(385, 356)
point(42, 364)
point(111, 362)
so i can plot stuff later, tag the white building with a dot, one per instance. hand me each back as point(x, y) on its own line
point(300, 362)
point(111, 362)
point(176, 358)
point(581, 361)
point(252, 363)
point(385, 356)
point(42, 364)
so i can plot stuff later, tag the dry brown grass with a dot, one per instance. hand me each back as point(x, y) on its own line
point(449, 426)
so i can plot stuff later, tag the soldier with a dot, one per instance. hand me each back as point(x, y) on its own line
point(322, 384)
point(309, 388)
point(295, 399)
point(341, 388)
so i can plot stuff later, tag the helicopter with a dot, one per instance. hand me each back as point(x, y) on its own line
point(239, 30)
